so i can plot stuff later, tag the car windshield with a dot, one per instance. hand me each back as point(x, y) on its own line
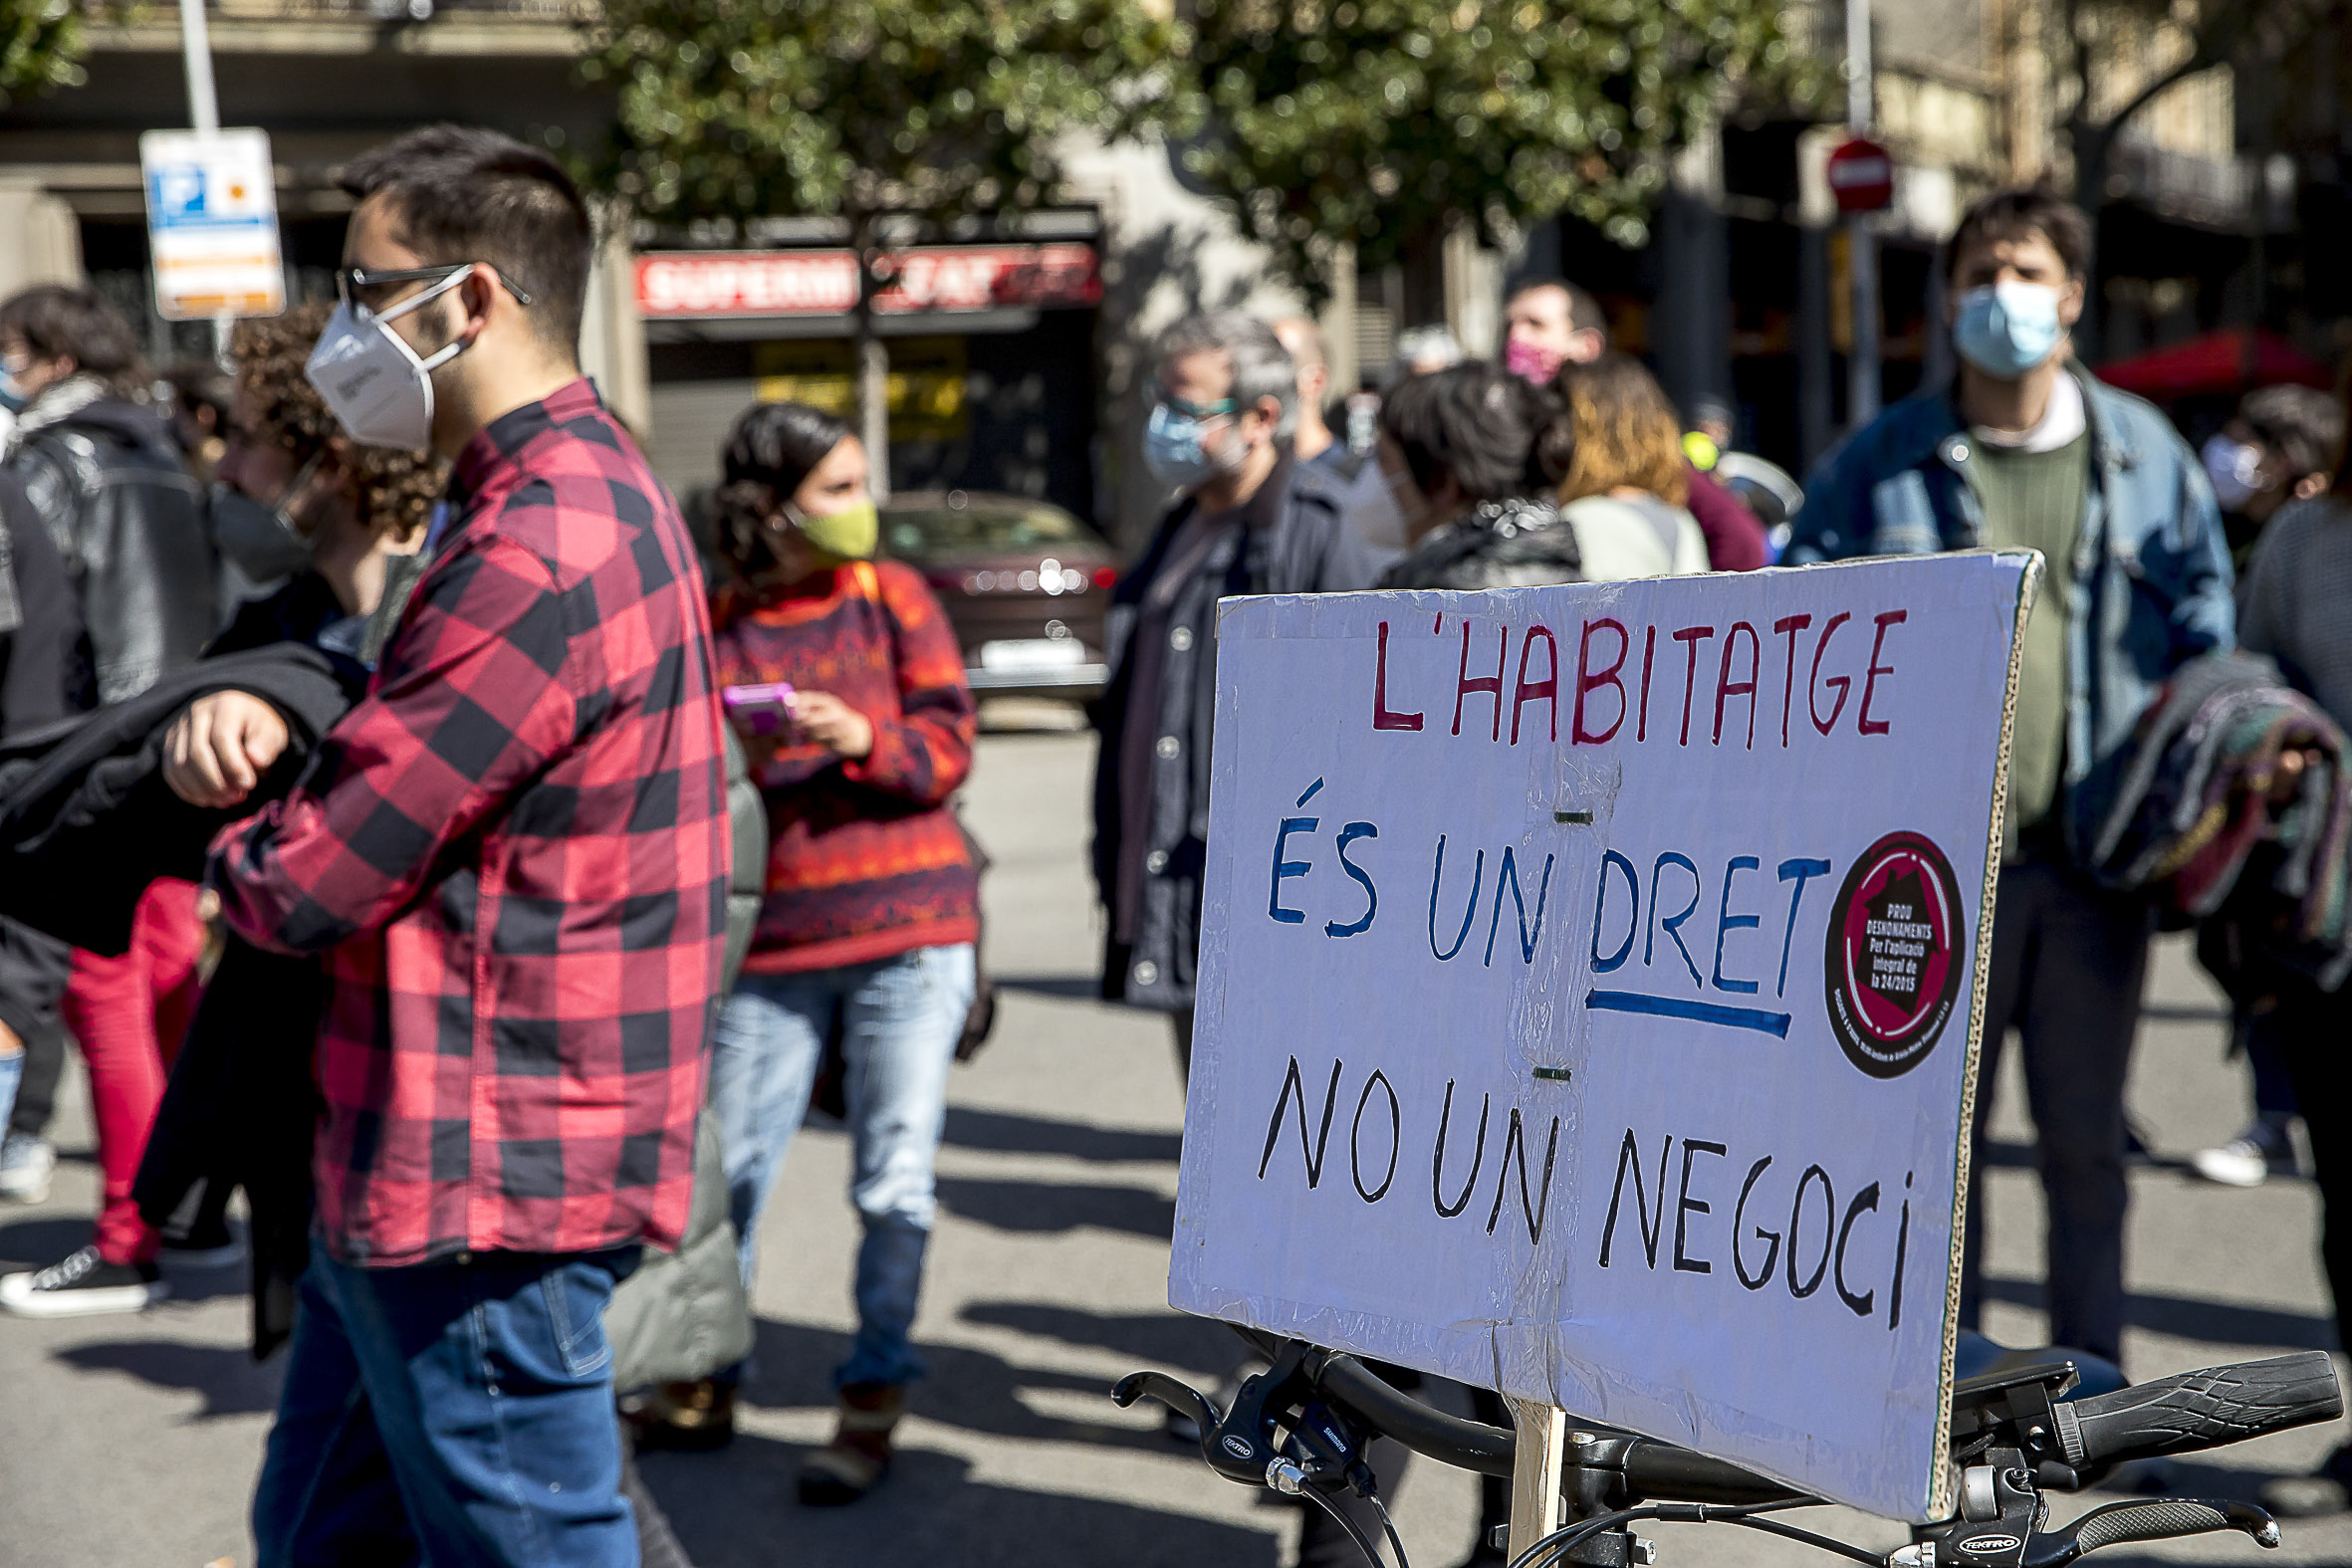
point(918, 534)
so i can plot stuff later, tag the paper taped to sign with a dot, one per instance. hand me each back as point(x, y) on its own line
point(1588, 995)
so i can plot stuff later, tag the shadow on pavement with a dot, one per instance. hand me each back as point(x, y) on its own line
point(967, 1388)
point(1152, 1339)
point(735, 1509)
point(1070, 988)
point(232, 1383)
point(38, 1242)
point(2188, 1317)
point(1038, 1208)
point(1009, 1132)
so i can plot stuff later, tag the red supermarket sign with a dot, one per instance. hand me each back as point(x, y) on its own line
point(673, 283)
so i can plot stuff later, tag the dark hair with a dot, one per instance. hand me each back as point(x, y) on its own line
point(461, 194)
point(2022, 214)
point(1475, 422)
point(768, 452)
point(56, 321)
point(1617, 431)
point(396, 490)
point(2301, 424)
point(1585, 311)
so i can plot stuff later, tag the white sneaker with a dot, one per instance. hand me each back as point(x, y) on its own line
point(26, 1168)
point(2241, 1162)
point(82, 1285)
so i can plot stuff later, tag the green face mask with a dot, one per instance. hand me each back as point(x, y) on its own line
point(839, 536)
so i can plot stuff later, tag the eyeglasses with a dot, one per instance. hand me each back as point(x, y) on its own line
point(351, 283)
point(1190, 410)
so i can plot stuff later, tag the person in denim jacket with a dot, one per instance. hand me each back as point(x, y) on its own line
point(2026, 449)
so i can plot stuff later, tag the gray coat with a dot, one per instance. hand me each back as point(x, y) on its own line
point(683, 1315)
point(1294, 540)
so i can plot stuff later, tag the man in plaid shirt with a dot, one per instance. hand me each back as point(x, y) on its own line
point(512, 857)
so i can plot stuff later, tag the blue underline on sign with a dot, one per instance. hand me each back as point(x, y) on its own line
point(1772, 1023)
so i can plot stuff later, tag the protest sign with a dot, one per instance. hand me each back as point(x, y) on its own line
point(1589, 990)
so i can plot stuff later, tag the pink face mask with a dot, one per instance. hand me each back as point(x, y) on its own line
point(1529, 361)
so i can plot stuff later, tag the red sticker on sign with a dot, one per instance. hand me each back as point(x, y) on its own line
point(1892, 971)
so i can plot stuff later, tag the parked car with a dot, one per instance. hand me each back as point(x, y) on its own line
point(1024, 582)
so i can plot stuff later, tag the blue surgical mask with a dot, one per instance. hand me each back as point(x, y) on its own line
point(2009, 329)
point(13, 396)
point(1172, 448)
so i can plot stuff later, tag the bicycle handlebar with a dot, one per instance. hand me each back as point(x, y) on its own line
point(1652, 1468)
point(2200, 1410)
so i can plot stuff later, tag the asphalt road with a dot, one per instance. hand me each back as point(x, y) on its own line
point(134, 1441)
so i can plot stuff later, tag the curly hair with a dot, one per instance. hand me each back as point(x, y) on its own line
point(1618, 431)
point(396, 490)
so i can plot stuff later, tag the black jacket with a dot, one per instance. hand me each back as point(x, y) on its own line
point(129, 523)
point(86, 819)
point(43, 675)
point(1294, 540)
point(1498, 544)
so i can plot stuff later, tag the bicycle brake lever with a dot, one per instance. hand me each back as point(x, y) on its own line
point(1178, 1396)
point(2150, 1519)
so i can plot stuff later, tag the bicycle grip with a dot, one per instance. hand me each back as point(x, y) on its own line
point(2163, 1520)
point(2200, 1410)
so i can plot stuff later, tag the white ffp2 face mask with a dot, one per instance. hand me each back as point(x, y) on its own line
point(375, 385)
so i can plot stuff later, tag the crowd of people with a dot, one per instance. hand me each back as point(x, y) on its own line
point(494, 871)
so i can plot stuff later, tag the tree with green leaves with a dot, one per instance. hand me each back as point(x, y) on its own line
point(873, 112)
point(41, 47)
point(1382, 122)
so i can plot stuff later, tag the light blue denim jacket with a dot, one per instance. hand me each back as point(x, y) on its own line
point(2152, 584)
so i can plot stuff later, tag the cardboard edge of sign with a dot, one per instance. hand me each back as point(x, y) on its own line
point(1941, 1502)
point(1939, 1497)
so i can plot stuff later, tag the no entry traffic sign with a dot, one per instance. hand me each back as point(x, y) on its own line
point(1862, 176)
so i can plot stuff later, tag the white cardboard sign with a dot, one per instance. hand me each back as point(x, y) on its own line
point(1589, 990)
point(212, 223)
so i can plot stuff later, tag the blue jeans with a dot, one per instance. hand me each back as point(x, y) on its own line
point(898, 1018)
point(458, 1414)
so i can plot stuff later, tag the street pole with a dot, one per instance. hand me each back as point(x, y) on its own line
point(1861, 240)
point(196, 51)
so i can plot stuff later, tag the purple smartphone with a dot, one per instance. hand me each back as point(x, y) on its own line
point(761, 711)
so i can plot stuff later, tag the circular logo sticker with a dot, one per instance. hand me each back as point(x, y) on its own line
point(1892, 972)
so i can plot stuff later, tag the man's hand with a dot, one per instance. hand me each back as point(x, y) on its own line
point(826, 720)
point(220, 747)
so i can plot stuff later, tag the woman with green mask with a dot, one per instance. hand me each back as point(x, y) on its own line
point(851, 696)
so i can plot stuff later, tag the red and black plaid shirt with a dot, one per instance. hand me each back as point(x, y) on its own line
point(513, 857)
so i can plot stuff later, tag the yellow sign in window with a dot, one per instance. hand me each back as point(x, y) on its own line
point(926, 385)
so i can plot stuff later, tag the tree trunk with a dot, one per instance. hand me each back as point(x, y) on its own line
point(872, 358)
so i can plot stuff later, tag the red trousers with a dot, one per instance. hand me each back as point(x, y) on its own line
point(127, 1015)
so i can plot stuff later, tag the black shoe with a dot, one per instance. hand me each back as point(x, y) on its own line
point(82, 1285)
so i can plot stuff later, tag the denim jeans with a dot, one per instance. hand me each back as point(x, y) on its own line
point(458, 1414)
point(898, 1018)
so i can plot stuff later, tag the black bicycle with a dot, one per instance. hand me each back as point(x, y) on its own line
point(1303, 1428)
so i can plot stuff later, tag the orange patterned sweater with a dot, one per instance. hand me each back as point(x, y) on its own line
point(865, 858)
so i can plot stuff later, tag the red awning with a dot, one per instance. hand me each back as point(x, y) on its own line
point(2215, 363)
